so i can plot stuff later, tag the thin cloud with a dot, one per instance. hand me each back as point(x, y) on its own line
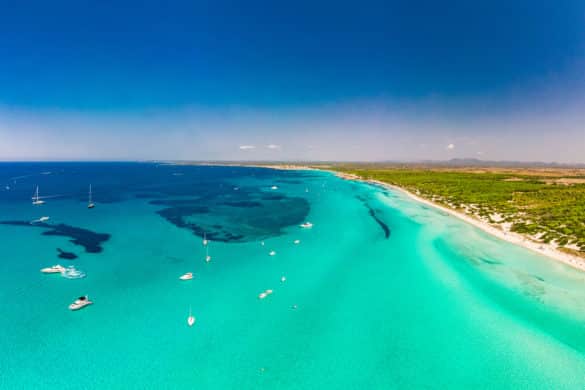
point(247, 147)
point(451, 146)
point(273, 147)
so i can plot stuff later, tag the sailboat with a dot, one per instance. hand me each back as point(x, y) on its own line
point(90, 204)
point(207, 257)
point(191, 318)
point(36, 200)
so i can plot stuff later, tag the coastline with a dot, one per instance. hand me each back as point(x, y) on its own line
point(541, 248)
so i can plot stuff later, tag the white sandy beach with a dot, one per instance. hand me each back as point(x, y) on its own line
point(547, 250)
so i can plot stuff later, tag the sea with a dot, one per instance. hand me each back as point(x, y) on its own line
point(382, 292)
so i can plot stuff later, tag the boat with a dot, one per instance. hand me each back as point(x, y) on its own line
point(272, 253)
point(40, 220)
point(191, 318)
point(306, 225)
point(264, 294)
point(36, 200)
point(274, 188)
point(296, 242)
point(90, 204)
point(283, 279)
point(187, 276)
point(80, 303)
point(205, 242)
point(72, 273)
point(54, 269)
point(207, 257)
point(262, 243)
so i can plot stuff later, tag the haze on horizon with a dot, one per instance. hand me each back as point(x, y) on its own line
point(380, 80)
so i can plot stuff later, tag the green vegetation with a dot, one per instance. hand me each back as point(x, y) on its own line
point(548, 205)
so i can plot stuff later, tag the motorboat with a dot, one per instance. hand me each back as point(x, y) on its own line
point(264, 294)
point(274, 188)
point(283, 279)
point(272, 253)
point(187, 276)
point(56, 269)
point(205, 242)
point(306, 225)
point(80, 303)
point(296, 242)
point(40, 220)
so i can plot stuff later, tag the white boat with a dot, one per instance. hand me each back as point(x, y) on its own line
point(306, 225)
point(272, 253)
point(187, 276)
point(35, 199)
point(90, 204)
point(264, 294)
point(283, 279)
point(56, 269)
point(205, 242)
point(40, 220)
point(191, 318)
point(262, 243)
point(207, 257)
point(274, 188)
point(80, 303)
point(296, 242)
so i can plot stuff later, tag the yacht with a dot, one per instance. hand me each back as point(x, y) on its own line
point(306, 225)
point(36, 200)
point(90, 204)
point(53, 270)
point(274, 188)
point(191, 318)
point(296, 242)
point(272, 253)
point(283, 279)
point(80, 303)
point(187, 276)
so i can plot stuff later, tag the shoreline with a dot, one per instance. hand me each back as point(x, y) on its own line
point(544, 249)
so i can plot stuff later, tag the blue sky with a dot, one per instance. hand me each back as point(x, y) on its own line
point(369, 80)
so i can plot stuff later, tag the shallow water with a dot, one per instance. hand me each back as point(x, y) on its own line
point(389, 293)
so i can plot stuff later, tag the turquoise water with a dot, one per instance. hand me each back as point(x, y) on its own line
point(389, 293)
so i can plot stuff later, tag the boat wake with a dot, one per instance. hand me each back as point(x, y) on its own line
point(73, 273)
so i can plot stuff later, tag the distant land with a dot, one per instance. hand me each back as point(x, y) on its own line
point(454, 162)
